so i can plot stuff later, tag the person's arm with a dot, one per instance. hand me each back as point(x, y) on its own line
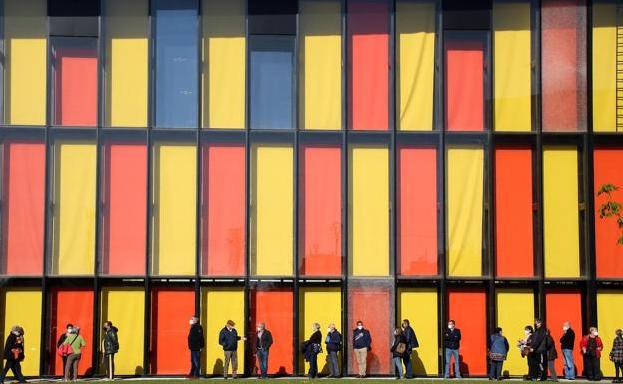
point(369, 340)
point(458, 336)
point(600, 345)
point(269, 339)
point(416, 343)
point(506, 345)
point(221, 338)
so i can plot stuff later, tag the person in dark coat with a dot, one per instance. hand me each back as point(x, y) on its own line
point(552, 355)
point(263, 342)
point(592, 346)
point(616, 355)
point(61, 340)
point(538, 349)
point(14, 354)
point(312, 349)
point(334, 346)
point(498, 350)
point(110, 347)
point(196, 342)
point(452, 343)
point(412, 343)
point(567, 343)
point(362, 342)
point(228, 339)
point(524, 347)
point(398, 349)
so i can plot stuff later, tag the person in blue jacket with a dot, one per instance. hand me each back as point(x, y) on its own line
point(498, 350)
point(334, 345)
point(451, 344)
point(228, 339)
point(362, 341)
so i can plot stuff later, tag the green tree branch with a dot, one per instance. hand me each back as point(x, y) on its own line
point(611, 208)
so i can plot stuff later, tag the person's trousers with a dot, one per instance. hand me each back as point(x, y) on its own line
point(313, 365)
point(406, 359)
point(457, 371)
point(551, 366)
point(333, 364)
point(109, 361)
point(16, 367)
point(398, 366)
point(262, 357)
point(495, 369)
point(618, 367)
point(231, 356)
point(195, 357)
point(71, 368)
point(569, 364)
point(592, 368)
point(361, 354)
point(533, 365)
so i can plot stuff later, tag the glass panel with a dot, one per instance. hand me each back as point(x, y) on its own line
point(127, 31)
point(28, 301)
point(515, 310)
point(272, 82)
point(415, 29)
point(560, 307)
point(74, 81)
point(368, 64)
point(320, 29)
point(176, 50)
point(23, 197)
point(224, 63)
point(125, 307)
point(419, 306)
point(563, 65)
point(608, 319)
point(512, 65)
point(604, 64)
point(469, 310)
point(561, 227)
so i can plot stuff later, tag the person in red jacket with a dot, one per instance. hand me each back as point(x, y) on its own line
point(592, 346)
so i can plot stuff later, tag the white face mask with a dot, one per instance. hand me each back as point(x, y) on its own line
point(565, 328)
point(15, 333)
point(450, 326)
point(259, 329)
point(527, 332)
point(191, 322)
point(360, 327)
point(595, 333)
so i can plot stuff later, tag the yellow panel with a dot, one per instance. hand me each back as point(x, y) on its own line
point(175, 198)
point(512, 65)
point(218, 306)
point(126, 78)
point(420, 307)
point(125, 307)
point(561, 231)
point(272, 204)
point(25, 36)
point(609, 314)
point(465, 206)
point(23, 307)
point(515, 310)
point(604, 65)
point(224, 62)
point(369, 211)
point(321, 64)
point(322, 306)
point(415, 28)
point(74, 211)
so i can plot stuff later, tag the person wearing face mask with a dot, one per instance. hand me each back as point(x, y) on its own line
point(263, 342)
point(412, 343)
point(567, 343)
point(452, 343)
point(77, 343)
point(498, 349)
point(14, 354)
point(524, 348)
point(592, 346)
point(228, 338)
point(398, 349)
point(334, 345)
point(616, 355)
point(538, 349)
point(61, 340)
point(362, 341)
point(110, 346)
point(311, 349)
point(196, 342)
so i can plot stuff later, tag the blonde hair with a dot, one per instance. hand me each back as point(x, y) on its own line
point(316, 326)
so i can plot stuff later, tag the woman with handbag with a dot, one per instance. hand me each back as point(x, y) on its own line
point(312, 349)
point(498, 350)
point(76, 343)
point(14, 354)
point(591, 346)
point(61, 341)
point(398, 349)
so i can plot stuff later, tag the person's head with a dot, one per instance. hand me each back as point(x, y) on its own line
point(405, 323)
point(230, 324)
point(108, 325)
point(497, 331)
point(451, 324)
point(261, 327)
point(528, 330)
point(332, 327)
point(16, 330)
point(397, 331)
point(75, 330)
point(315, 327)
point(538, 323)
point(69, 327)
point(193, 320)
point(566, 325)
point(592, 332)
point(619, 333)
point(359, 324)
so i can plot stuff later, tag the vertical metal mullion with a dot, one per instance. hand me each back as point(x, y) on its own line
point(297, 127)
point(441, 116)
point(490, 179)
point(345, 192)
point(540, 258)
point(247, 159)
point(199, 167)
point(393, 161)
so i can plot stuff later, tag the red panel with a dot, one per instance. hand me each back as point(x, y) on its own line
point(368, 55)
point(417, 210)
point(24, 197)
point(321, 210)
point(75, 307)
point(275, 309)
point(513, 212)
point(76, 86)
point(563, 64)
point(171, 310)
point(464, 83)
point(561, 307)
point(125, 203)
point(372, 306)
point(609, 254)
point(469, 310)
point(223, 205)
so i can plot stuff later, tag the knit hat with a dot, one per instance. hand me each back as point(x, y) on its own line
point(231, 323)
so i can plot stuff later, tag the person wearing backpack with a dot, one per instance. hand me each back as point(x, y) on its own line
point(616, 355)
point(76, 342)
point(334, 345)
point(398, 349)
point(412, 343)
point(552, 355)
point(312, 348)
point(110, 345)
point(498, 350)
point(14, 354)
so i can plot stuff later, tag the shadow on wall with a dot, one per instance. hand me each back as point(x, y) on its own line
point(218, 367)
point(417, 364)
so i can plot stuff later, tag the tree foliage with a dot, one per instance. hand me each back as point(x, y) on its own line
point(611, 208)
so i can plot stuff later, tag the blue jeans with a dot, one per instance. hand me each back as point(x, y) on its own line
point(398, 365)
point(313, 365)
point(449, 354)
point(406, 359)
point(333, 364)
point(262, 356)
point(194, 363)
point(569, 369)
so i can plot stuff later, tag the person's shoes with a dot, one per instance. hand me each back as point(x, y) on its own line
point(446, 377)
point(459, 377)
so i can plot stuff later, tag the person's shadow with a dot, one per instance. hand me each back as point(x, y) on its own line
point(463, 367)
point(417, 364)
point(218, 368)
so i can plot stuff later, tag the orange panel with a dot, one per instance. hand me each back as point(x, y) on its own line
point(75, 307)
point(274, 308)
point(561, 307)
point(417, 210)
point(170, 311)
point(609, 254)
point(469, 310)
point(76, 87)
point(321, 210)
point(513, 212)
point(223, 205)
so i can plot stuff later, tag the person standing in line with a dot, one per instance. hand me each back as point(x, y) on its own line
point(228, 338)
point(262, 346)
point(362, 342)
point(312, 348)
point(616, 355)
point(334, 346)
point(592, 346)
point(196, 342)
point(498, 350)
point(76, 342)
point(524, 347)
point(110, 347)
point(567, 343)
point(538, 349)
point(552, 355)
point(61, 341)
point(398, 349)
point(412, 343)
point(14, 354)
point(452, 343)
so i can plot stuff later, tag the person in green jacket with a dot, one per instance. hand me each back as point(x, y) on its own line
point(110, 346)
point(76, 342)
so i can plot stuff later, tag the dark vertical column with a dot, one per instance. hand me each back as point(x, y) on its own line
point(345, 194)
point(441, 127)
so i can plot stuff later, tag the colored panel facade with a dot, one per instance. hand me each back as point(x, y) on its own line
point(604, 65)
point(419, 306)
point(515, 310)
point(28, 317)
point(469, 310)
point(560, 307)
point(609, 304)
